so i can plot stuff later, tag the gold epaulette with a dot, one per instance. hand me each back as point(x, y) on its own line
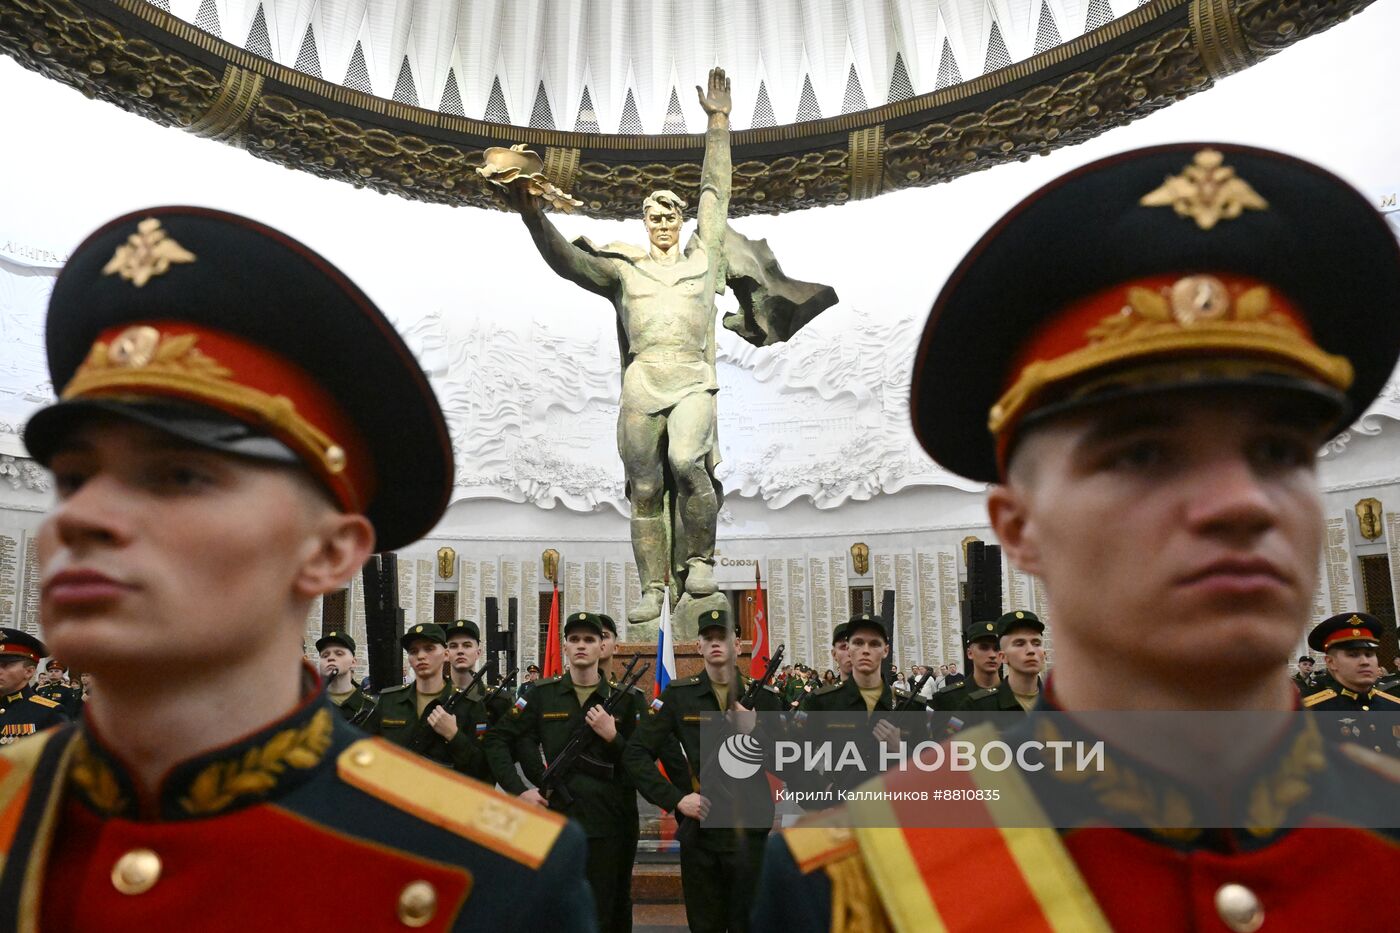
point(816, 846)
point(44, 701)
point(1383, 765)
point(17, 764)
point(1381, 693)
point(1316, 698)
point(519, 831)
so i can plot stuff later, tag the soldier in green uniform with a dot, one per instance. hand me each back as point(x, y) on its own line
point(599, 796)
point(1350, 640)
point(22, 710)
point(69, 697)
point(1020, 639)
point(473, 714)
point(864, 691)
point(841, 650)
point(719, 866)
point(984, 660)
point(1305, 679)
point(336, 651)
point(415, 715)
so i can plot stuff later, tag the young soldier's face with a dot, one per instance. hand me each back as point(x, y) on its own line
point(159, 555)
point(984, 655)
point(464, 652)
point(609, 645)
point(1182, 527)
point(716, 646)
point(1024, 651)
point(426, 657)
point(841, 656)
point(583, 648)
point(336, 657)
point(1356, 668)
point(867, 651)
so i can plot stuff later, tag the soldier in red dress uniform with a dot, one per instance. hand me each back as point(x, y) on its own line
point(239, 427)
point(1143, 359)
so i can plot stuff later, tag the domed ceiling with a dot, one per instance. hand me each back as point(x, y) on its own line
point(833, 101)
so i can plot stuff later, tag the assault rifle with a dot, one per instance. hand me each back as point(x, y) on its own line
point(914, 690)
point(552, 782)
point(751, 693)
point(425, 736)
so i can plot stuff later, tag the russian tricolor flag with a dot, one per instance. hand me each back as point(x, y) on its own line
point(665, 647)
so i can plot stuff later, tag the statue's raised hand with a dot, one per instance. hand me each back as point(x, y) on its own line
point(520, 199)
point(716, 98)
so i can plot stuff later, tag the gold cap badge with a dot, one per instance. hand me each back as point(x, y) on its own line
point(1208, 191)
point(147, 253)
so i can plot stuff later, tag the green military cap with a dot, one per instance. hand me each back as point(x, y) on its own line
point(717, 618)
point(17, 644)
point(337, 638)
point(866, 620)
point(1019, 618)
point(592, 620)
point(429, 630)
point(1347, 630)
point(463, 627)
point(979, 630)
point(840, 632)
point(1208, 272)
point(227, 334)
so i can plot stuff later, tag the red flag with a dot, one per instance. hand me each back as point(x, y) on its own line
point(553, 664)
point(758, 663)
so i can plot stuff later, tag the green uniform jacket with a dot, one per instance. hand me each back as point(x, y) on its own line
point(536, 730)
point(845, 698)
point(996, 700)
point(674, 723)
point(357, 708)
point(1356, 724)
point(396, 719)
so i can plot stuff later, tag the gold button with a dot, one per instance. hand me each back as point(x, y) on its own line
point(335, 458)
point(363, 758)
point(417, 904)
point(1239, 908)
point(136, 872)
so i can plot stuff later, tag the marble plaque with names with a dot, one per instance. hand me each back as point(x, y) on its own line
point(883, 567)
point(1041, 607)
point(527, 644)
point(468, 599)
point(313, 628)
point(29, 586)
point(9, 578)
point(490, 586)
point(906, 620)
point(819, 606)
point(510, 589)
point(1392, 535)
point(949, 610)
point(358, 631)
point(929, 627)
point(633, 584)
point(408, 592)
point(426, 569)
point(573, 592)
point(775, 599)
point(799, 619)
point(840, 595)
point(1014, 590)
point(593, 586)
point(614, 589)
point(1337, 553)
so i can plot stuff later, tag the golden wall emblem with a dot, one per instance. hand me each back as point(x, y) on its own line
point(1208, 191)
point(550, 559)
point(1368, 518)
point(147, 253)
point(860, 557)
point(447, 562)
